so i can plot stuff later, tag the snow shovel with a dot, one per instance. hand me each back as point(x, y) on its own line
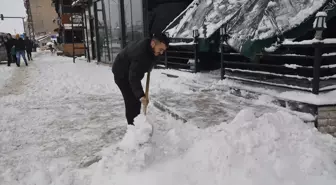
point(146, 92)
point(145, 107)
point(143, 130)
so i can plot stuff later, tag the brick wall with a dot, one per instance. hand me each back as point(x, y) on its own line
point(327, 119)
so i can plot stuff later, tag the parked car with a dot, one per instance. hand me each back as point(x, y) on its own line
point(3, 52)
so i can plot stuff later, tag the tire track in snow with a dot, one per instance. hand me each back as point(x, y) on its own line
point(21, 77)
point(15, 83)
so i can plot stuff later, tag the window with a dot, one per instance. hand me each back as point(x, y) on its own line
point(78, 36)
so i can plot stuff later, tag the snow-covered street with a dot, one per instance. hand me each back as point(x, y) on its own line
point(60, 124)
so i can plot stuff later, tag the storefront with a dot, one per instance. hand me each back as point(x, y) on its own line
point(112, 24)
point(124, 24)
point(110, 29)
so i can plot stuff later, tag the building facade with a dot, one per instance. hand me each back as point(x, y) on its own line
point(43, 15)
point(106, 26)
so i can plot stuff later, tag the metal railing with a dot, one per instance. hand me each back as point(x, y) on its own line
point(272, 68)
point(186, 54)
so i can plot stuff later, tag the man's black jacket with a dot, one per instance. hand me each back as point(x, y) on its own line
point(133, 62)
point(9, 44)
point(29, 45)
point(20, 45)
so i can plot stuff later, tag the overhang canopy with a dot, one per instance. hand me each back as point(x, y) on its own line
point(247, 21)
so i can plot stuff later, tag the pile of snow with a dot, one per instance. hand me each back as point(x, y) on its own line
point(50, 44)
point(136, 135)
point(275, 148)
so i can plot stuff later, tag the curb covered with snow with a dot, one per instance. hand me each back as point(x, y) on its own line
point(292, 95)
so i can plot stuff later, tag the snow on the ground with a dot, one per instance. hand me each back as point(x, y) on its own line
point(137, 135)
point(210, 81)
point(5, 73)
point(57, 115)
point(53, 114)
point(275, 148)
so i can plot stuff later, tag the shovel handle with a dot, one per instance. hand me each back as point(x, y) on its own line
point(147, 91)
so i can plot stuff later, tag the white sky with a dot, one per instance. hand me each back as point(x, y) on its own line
point(12, 8)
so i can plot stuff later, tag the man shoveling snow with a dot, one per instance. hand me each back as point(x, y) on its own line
point(129, 68)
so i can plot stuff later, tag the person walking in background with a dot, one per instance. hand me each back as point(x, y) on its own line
point(13, 53)
point(9, 43)
point(29, 48)
point(20, 48)
point(51, 47)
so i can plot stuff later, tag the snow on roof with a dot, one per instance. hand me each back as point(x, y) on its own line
point(76, 2)
point(245, 20)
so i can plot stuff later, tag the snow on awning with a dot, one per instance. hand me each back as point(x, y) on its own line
point(247, 21)
point(78, 2)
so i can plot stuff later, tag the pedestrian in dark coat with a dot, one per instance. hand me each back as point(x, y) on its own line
point(129, 68)
point(9, 43)
point(20, 48)
point(29, 48)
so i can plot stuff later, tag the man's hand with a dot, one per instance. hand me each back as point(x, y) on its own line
point(144, 101)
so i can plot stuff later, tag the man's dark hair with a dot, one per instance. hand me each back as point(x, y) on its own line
point(161, 37)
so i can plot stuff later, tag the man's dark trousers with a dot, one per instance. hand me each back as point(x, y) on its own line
point(132, 104)
point(29, 55)
point(9, 59)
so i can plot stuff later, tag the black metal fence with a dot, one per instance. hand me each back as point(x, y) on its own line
point(314, 73)
point(180, 51)
point(307, 65)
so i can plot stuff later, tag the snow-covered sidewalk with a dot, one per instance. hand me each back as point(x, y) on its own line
point(205, 109)
point(55, 115)
point(5, 74)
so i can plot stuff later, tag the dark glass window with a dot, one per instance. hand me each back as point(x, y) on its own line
point(78, 36)
point(134, 21)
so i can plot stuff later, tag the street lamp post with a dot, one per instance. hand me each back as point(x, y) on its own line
point(196, 35)
point(320, 24)
point(222, 33)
